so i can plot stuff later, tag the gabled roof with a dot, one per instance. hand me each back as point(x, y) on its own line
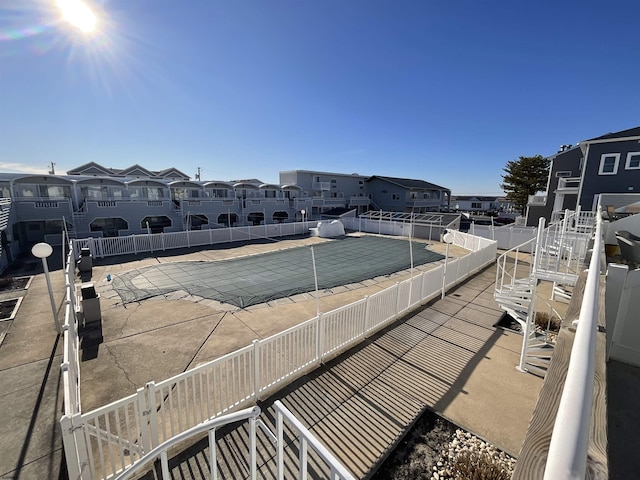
point(631, 132)
point(136, 171)
point(172, 172)
point(408, 183)
point(91, 168)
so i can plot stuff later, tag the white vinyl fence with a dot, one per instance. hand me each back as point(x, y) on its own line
point(107, 440)
point(157, 242)
point(507, 236)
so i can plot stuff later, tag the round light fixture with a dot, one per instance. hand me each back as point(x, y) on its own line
point(42, 250)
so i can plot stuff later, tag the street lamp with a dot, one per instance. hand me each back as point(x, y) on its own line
point(446, 238)
point(43, 250)
point(303, 212)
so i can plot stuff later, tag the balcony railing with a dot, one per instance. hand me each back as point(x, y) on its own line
point(568, 185)
point(321, 186)
point(537, 201)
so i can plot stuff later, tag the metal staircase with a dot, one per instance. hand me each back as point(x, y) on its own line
point(555, 255)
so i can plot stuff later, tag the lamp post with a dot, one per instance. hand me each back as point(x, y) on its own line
point(43, 250)
point(302, 212)
point(446, 238)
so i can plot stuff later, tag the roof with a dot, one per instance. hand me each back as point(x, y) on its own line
point(95, 169)
point(408, 183)
point(631, 132)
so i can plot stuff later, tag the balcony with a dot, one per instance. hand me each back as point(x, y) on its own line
point(422, 202)
point(321, 186)
point(568, 185)
point(537, 201)
point(359, 201)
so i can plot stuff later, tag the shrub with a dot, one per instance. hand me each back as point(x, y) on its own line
point(477, 466)
point(542, 321)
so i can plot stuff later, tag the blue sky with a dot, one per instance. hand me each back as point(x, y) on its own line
point(444, 91)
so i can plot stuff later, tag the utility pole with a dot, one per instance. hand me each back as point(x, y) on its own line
point(52, 171)
point(198, 174)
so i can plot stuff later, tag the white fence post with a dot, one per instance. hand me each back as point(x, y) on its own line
point(143, 422)
point(153, 413)
point(397, 289)
point(257, 383)
point(319, 338)
point(75, 448)
point(365, 324)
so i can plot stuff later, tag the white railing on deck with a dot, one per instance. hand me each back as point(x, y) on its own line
point(71, 372)
point(210, 426)
point(567, 458)
point(112, 437)
point(306, 440)
point(513, 265)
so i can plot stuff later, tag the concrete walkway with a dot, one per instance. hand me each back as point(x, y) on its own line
point(31, 395)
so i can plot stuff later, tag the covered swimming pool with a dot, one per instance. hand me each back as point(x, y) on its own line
point(250, 280)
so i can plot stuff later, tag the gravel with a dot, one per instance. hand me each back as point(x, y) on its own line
point(429, 450)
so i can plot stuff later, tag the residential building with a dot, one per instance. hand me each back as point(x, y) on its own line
point(92, 200)
point(578, 175)
point(406, 195)
point(475, 203)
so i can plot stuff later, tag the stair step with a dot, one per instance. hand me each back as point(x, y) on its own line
point(540, 372)
point(540, 352)
point(538, 362)
point(518, 307)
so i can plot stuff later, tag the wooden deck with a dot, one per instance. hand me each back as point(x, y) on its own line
point(447, 357)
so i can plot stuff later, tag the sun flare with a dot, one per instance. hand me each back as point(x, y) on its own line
point(78, 14)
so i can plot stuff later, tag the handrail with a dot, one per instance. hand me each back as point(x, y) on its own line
point(567, 458)
point(161, 450)
point(306, 437)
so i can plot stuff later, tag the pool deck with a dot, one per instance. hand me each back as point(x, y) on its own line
point(161, 337)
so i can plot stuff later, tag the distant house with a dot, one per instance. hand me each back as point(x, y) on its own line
point(362, 193)
point(475, 203)
point(407, 195)
point(606, 164)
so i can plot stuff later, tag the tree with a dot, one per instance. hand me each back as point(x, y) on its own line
point(524, 177)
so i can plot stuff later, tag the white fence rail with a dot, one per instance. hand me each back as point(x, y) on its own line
point(306, 440)
point(108, 439)
point(210, 426)
point(71, 371)
point(507, 236)
point(156, 242)
point(567, 456)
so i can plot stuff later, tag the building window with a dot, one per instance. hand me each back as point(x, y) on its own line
point(633, 161)
point(563, 173)
point(395, 197)
point(609, 164)
point(476, 205)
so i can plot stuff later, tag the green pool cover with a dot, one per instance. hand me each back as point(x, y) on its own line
point(250, 280)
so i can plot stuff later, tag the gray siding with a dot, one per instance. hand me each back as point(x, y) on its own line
point(625, 181)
